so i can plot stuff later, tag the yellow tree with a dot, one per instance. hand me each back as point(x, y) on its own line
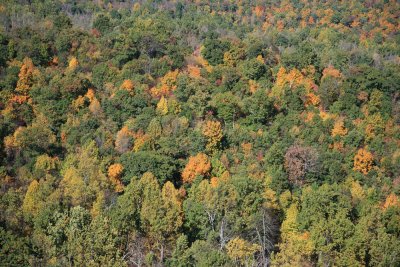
point(363, 161)
point(242, 251)
point(167, 85)
point(73, 64)
point(26, 76)
point(162, 106)
point(338, 128)
point(213, 131)
point(32, 200)
point(295, 248)
point(127, 85)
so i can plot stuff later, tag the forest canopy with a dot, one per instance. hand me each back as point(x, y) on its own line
point(199, 133)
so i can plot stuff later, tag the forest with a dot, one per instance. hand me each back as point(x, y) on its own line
point(200, 133)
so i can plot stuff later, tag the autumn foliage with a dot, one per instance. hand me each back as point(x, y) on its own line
point(363, 161)
point(197, 165)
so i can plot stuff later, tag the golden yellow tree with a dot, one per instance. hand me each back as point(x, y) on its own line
point(31, 201)
point(338, 128)
point(73, 64)
point(242, 251)
point(127, 85)
point(162, 106)
point(295, 247)
point(363, 161)
point(197, 165)
point(26, 76)
point(213, 131)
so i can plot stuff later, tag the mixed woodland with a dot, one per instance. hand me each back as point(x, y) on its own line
point(199, 133)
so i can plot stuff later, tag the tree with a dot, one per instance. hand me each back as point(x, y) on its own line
point(300, 162)
point(197, 165)
point(242, 251)
point(214, 50)
point(26, 76)
point(363, 161)
point(124, 140)
point(115, 174)
point(213, 132)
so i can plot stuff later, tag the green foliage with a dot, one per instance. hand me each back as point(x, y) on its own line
point(292, 108)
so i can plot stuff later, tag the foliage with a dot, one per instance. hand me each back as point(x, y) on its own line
point(199, 133)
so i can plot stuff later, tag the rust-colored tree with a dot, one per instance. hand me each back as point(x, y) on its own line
point(300, 161)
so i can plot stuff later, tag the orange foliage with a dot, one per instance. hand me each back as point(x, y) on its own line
point(332, 72)
point(73, 64)
point(214, 182)
point(197, 165)
point(259, 11)
point(20, 99)
point(168, 84)
point(253, 86)
point(246, 148)
point(114, 173)
point(26, 75)
point(194, 71)
point(127, 85)
point(391, 201)
point(363, 161)
point(339, 129)
point(90, 94)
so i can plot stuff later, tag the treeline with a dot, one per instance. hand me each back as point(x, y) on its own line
point(198, 133)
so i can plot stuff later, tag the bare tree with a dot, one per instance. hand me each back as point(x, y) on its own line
point(299, 161)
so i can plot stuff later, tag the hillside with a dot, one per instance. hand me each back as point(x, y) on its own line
point(199, 133)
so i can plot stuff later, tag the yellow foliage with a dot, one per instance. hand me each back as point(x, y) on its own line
point(241, 250)
point(271, 199)
point(295, 247)
point(98, 205)
point(127, 85)
point(140, 142)
point(338, 128)
point(162, 106)
point(375, 125)
point(391, 201)
point(31, 201)
point(73, 64)
point(357, 192)
point(363, 161)
point(46, 163)
point(73, 185)
point(197, 165)
point(167, 85)
point(26, 76)
point(213, 131)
